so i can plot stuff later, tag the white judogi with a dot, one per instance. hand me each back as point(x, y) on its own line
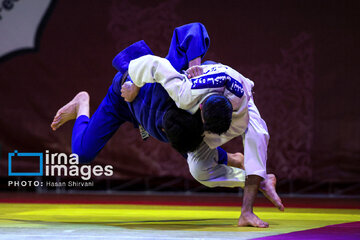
point(188, 94)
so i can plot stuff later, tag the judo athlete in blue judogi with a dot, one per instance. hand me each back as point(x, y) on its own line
point(155, 113)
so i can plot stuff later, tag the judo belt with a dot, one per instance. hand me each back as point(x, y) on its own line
point(143, 133)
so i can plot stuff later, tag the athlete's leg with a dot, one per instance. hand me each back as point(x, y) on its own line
point(91, 134)
point(255, 155)
point(188, 42)
point(208, 166)
point(248, 218)
point(255, 141)
point(211, 168)
point(78, 106)
point(236, 160)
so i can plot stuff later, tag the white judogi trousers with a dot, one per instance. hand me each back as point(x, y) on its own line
point(204, 166)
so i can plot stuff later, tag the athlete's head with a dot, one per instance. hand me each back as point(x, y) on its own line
point(184, 131)
point(216, 112)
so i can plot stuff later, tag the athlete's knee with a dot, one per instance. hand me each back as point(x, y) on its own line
point(262, 131)
point(257, 137)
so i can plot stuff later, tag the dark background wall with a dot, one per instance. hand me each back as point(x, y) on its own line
point(302, 55)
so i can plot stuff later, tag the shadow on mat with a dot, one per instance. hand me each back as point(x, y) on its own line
point(183, 224)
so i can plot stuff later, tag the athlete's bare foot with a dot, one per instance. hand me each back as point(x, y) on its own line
point(250, 219)
point(267, 187)
point(79, 105)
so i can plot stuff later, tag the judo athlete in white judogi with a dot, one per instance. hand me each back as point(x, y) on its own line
point(189, 94)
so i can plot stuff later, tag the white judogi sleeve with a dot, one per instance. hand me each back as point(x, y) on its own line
point(188, 94)
point(153, 69)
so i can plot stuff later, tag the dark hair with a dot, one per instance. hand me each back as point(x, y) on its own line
point(217, 113)
point(184, 131)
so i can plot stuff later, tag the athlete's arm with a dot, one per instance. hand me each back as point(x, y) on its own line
point(129, 91)
point(153, 69)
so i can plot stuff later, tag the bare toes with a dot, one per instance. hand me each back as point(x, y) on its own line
point(263, 224)
point(250, 219)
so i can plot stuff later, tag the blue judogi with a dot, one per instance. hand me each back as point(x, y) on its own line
point(91, 134)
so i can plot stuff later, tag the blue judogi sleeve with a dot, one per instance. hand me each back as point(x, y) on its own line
point(223, 159)
point(188, 42)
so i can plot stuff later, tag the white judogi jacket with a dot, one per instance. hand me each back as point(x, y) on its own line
point(188, 94)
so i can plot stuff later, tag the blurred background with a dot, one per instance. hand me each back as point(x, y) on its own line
point(302, 55)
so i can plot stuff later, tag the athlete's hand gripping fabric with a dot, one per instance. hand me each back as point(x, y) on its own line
point(194, 71)
point(129, 91)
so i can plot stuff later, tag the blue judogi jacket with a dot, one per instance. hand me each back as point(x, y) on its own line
point(149, 107)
